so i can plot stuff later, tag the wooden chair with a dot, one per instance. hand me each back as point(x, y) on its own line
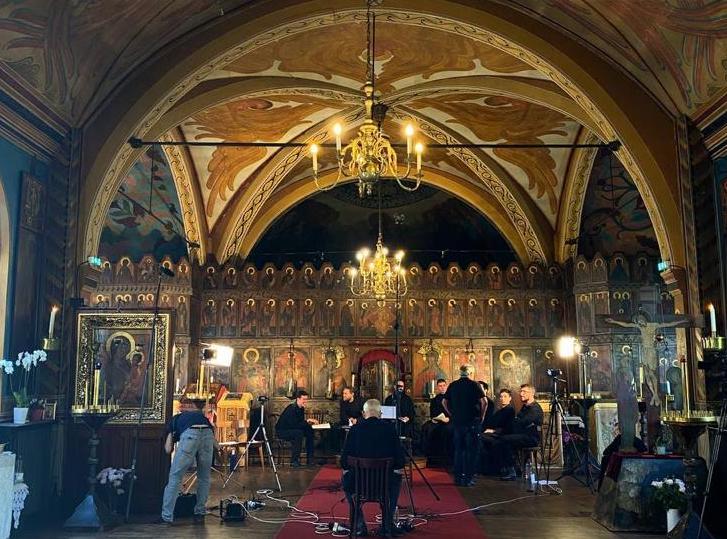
point(371, 484)
point(278, 445)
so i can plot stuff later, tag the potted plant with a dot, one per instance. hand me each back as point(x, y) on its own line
point(671, 494)
point(22, 368)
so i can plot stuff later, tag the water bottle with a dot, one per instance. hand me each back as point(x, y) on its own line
point(533, 480)
point(529, 476)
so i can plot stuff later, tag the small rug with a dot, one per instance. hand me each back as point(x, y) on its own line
point(325, 498)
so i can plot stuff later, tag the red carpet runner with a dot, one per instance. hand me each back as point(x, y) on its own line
point(322, 499)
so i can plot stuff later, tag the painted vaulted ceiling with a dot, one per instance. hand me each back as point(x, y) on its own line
point(290, 78)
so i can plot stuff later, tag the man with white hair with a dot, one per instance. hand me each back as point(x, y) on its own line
point(466, 403)
point(373, 438)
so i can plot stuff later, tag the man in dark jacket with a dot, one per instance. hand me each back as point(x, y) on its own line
point(351, 408)
point(499, 423)
point(525, 432)
point(404, 408)
point(373, 438)
point(465, 401)
point(437, 432)
point(293, 427)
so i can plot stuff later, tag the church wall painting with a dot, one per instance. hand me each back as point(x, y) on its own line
point(128, 229)
point(482, 363)
point(512, 367)
point(337, 370)
point(251, 370)
point(431, 361)
point(291, 375)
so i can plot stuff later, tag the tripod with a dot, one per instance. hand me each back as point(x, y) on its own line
point(586, 461)
point(251, 440)
point(556, 412)
point(721, 428)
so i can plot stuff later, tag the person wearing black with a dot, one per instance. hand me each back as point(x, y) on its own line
point(293, 427)
point(351, 408)
point(500, 423)
point(466, 404)
point(490, 403)
point(437, 432)
point(404, 409)
point(525, 432)
point(195, 439)
point(373, 438)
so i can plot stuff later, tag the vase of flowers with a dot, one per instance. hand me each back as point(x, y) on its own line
point(115, 483)
point(671, 494)
point(19, 373)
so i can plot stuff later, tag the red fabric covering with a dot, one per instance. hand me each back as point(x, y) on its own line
point(322, 499)
point(614, 463)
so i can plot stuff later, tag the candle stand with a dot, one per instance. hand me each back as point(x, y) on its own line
point(92, 514)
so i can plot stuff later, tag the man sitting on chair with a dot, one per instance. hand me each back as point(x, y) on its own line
point(351, 407)
point(499, 423)
point(293, 427)
point(373, 438)
point(525, 432)
point(437, 432)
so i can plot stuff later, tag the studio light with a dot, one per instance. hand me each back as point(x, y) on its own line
point(568, 347)
point(217, 355)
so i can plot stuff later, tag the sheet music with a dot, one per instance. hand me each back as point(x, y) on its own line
point(321, 426)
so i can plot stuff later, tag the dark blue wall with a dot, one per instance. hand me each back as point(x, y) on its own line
point(13, 162)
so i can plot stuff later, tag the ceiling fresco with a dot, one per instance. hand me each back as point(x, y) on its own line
point(71, 54)
point(674, 48)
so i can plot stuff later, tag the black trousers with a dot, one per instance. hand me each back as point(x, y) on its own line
point(504, 447)
point(465, 449)
point(487, 459)
point(295, 437)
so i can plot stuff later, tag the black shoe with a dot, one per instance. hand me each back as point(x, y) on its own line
point(296, 464)
point(161, 522)
point(470, 482)
point(198, 519)
point(509, 477)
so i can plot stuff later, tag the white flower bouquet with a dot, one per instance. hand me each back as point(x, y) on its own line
point(670, 493)
point(26, 363)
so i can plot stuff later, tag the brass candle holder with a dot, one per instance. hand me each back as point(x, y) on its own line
point(51, 344)
point(714, 342)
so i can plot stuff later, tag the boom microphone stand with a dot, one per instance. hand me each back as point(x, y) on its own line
point(151, 356)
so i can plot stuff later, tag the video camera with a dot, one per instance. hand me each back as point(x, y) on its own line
point(554, 373)
point(262, 399)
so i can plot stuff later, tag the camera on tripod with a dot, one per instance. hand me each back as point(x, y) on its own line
point(262, 399)
point(554, 373)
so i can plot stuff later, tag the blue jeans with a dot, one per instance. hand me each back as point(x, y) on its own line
point(194, 445)
point(465, 449)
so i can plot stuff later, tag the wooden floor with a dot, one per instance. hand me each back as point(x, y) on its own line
point(544, 516)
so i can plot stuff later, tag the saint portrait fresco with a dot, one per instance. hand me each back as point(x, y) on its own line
point(431, 362)
point(481, 360)
point(512, 367)
point(289, 373)
point(331, 371)
point(251, 371)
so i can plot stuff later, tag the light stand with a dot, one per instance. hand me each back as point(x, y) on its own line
point(151, 356)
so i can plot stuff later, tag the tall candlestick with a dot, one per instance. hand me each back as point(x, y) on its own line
point(353, 380)
point(52, 322)
point(96, 383)
point(176, 387)
point(85, 397)
point(712, 319)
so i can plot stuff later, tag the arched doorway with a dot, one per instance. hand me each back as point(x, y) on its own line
point(377, 370)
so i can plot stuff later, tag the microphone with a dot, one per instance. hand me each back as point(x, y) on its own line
point(166, 271)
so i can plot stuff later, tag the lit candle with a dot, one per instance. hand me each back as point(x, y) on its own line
point(712, 319)
point(96, 383)
point(668, 387)
point(337, 132)
point(409, 134)
point(290, 386)
point(641, 375)
point(353, 380)
point(328, 390)
point(52, 322)
point(314, 155)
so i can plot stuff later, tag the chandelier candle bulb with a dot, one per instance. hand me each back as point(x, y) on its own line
point(712, 319)
point(314, 155)
point(337, 132)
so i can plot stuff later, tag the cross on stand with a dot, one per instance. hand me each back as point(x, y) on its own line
point(648, 338)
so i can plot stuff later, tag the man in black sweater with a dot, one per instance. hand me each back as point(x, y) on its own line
point(499, 423)
point(437, 432)
point(293, 427)
point(525, 432)
point(351, 408)
point(404, 407)
point(373, 438)
point(465, 401)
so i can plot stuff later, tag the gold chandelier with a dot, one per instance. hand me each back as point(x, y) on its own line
point(370, 155)
point(379, 275)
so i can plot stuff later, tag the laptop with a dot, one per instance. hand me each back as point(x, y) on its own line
point(388, 412)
